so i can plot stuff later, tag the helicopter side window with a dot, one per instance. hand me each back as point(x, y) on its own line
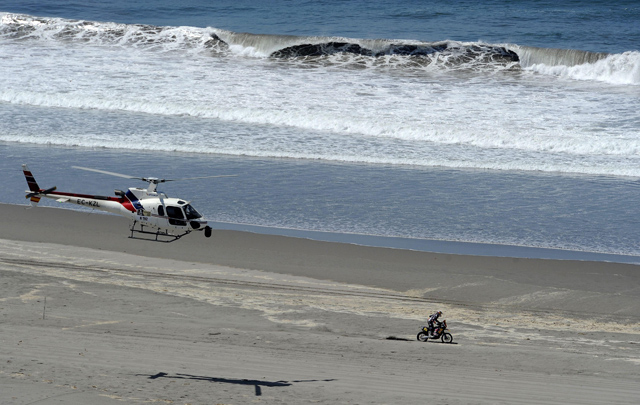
point(191, 212)
point(174, 212)
point(161, 210)
point(176, 217)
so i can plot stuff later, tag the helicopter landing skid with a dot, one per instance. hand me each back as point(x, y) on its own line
point(164, 237)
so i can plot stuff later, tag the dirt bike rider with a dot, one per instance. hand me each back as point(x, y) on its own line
point(433, 318)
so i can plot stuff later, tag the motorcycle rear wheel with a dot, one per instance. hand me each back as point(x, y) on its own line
point(447, 338)
point(422, 336)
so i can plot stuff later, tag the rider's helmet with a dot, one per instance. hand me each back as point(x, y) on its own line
point(439, 313)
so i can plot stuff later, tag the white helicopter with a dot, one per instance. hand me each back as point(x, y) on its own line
point(171, 218)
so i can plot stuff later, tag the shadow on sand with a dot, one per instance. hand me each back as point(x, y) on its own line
point(257, 384)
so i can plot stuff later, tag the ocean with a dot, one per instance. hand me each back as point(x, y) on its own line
point(499, 126)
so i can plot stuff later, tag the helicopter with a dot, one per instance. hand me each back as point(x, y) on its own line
point(168, 218)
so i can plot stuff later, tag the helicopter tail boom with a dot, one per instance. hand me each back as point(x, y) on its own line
point(116, 205)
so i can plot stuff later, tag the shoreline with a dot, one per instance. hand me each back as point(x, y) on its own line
point(438, 246)
point(489, 278)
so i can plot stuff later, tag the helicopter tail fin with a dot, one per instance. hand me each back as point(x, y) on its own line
point(32, 194)
point(35, 192)
point(31, 181)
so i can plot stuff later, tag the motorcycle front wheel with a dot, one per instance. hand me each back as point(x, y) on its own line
point(447, 338)
point(422, 336)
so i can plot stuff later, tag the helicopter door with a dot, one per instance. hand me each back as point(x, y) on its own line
point(176, 217)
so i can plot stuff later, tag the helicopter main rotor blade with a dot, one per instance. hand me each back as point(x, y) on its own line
point(109, 173)
point(148, 179)
point(203, 177)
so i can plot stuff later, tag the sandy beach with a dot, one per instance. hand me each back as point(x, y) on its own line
point(88, 315)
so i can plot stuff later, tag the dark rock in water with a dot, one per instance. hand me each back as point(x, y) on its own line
point(328, 48)
point(413, 50)
point(215, 41)
point(461, 53)
point(216, 38)
point(482, 53)
point(514, 56)
point(500, 53)
point(331, 48)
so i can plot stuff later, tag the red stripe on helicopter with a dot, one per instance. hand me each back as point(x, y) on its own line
point(31, 181)
point(127, 205)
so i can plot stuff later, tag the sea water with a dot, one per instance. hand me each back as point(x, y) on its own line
point(511, 123)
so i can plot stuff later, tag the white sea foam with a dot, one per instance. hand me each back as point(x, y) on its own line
point(347, 107)
point(618, 69)
point(621, 68)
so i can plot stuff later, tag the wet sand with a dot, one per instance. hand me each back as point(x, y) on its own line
point(247, 318)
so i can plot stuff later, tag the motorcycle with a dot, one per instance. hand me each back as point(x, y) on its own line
point(438, 333)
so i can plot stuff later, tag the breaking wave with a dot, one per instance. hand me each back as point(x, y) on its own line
point(621, 68)
point(390, 52)
point(355, 53)
point(21, 27)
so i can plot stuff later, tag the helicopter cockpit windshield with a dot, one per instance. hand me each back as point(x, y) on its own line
point(191, 212)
